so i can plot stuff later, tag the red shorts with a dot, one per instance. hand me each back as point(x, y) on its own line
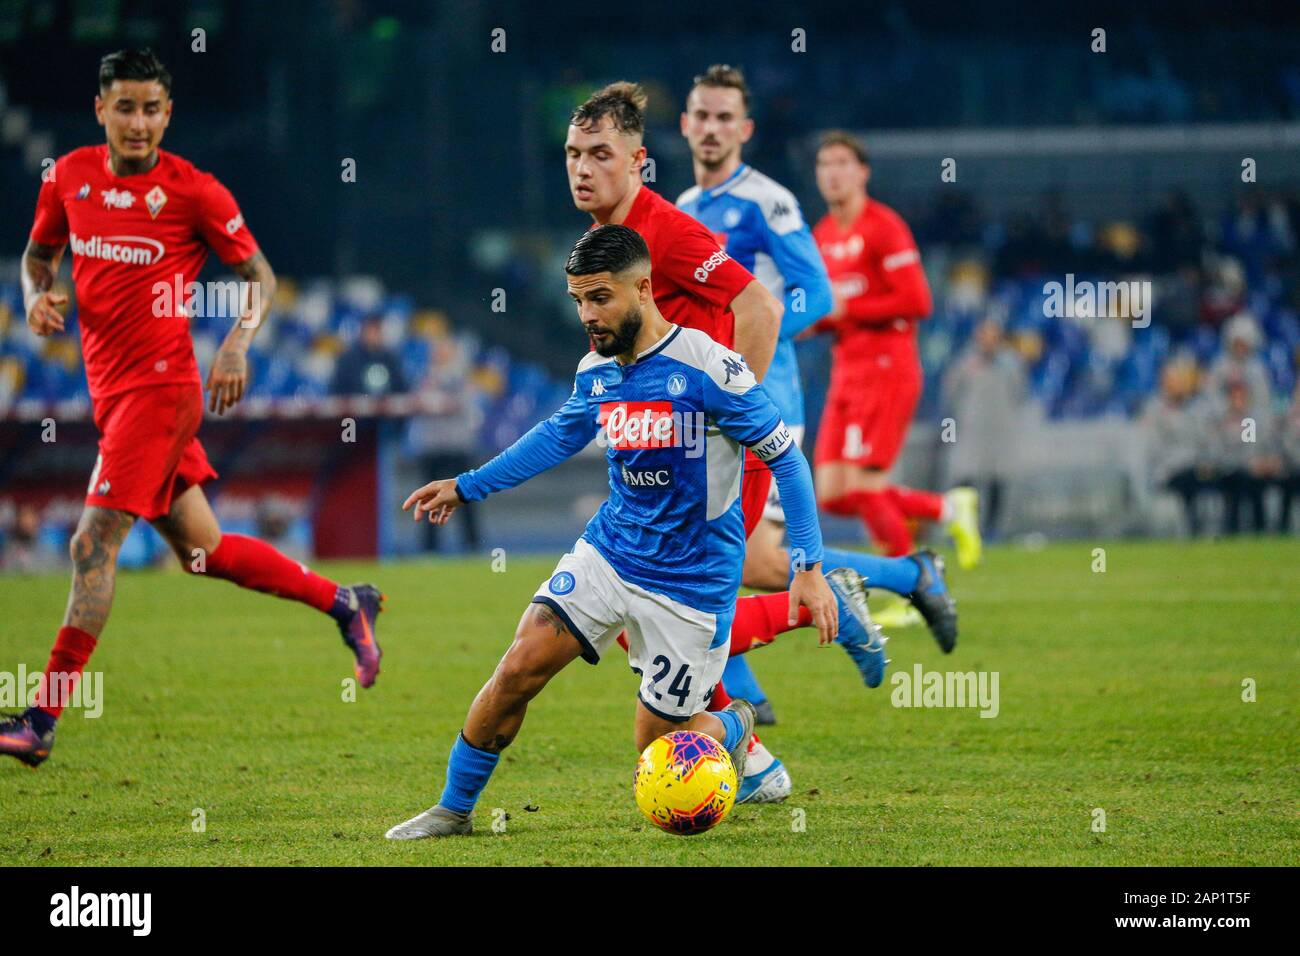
point(148, 452)
point(754, 488)
point(865, 422)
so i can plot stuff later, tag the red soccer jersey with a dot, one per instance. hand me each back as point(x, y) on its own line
point(693, 278)
point(129, 235)
point(875, 266)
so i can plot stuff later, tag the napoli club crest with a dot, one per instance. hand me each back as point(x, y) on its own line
point(676, 383)
point(562, 583)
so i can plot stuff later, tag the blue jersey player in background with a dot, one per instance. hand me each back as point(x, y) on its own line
point(662, 557)
point(760, 225)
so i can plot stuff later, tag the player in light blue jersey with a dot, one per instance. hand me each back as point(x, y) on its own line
point(662, 557)
point(759, 223)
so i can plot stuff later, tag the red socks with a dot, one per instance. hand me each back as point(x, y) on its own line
point(760, 618)
point(885, 520)
point(917, 504)
point(885, 514)
point(256, 565)
point(842, 506)
point(248, 562)
point(72, 649)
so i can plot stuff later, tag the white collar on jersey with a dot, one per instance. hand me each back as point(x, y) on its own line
point(662, 341)
point(730, 183)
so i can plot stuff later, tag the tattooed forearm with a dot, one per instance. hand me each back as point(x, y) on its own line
point(259, 282)
point(40, 265)
point(94, 567)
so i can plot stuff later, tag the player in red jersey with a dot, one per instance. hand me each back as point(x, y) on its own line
point(140, 220)
point(696, 284)
point(880, 293)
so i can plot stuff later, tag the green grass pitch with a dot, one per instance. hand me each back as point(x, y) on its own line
point(1119, 690)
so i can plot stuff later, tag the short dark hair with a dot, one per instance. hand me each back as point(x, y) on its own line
point(623, 102)
point(840, 137)
point(607, 248)
point(133, 64)
point(724, 76)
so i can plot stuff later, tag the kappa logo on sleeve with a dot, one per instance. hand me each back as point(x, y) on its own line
point(733, 365)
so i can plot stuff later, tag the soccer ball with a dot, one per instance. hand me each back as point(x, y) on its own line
point(685, 783)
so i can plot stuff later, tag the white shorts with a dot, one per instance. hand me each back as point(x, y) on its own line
point(678, 651)
point(772, 511)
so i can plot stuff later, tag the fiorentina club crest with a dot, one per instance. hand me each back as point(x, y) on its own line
point(155, 199)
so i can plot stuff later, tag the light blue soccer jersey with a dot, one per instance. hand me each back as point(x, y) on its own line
point(675, 421)
point(759, 223)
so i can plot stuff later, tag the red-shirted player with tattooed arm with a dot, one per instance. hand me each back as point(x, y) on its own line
point(139, 219)
point(697, 285)
point(880, 293)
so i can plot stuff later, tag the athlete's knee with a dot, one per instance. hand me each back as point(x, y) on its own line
point(97, 539)
point(871, 479)
point(827, 486)
point(81, 545)
point(521, 674)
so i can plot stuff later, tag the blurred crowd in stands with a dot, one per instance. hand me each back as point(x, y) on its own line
point(324, 338)
point(1211, 382)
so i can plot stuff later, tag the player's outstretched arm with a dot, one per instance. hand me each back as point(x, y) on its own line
point(229, 375)
point(438, 499)
point(39, 267)
point(545, 445)
point(758, 326)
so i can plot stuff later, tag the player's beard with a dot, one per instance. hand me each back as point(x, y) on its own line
point(717, 161)
point(624, 338)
